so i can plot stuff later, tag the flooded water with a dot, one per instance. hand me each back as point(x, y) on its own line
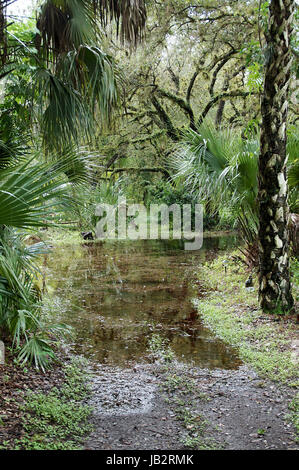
point(116, 295)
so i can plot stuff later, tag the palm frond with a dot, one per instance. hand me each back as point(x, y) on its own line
point(63, 114)
point(33, 334)
point(84, 82)
point(219, 165)
point(27, 194)
point(130, 17)
point(13, 142)
point(37, 351)
point(64, 25)
point(78, 164)
point(94, 73)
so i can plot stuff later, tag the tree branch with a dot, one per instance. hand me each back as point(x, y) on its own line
point(183, 104)
point(165, 119)
point(191, 84)
point(221, 64)
point(221, 96)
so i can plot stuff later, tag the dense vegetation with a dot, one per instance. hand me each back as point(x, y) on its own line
point(152, 101)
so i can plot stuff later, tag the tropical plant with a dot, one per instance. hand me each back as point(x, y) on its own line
point(89, 196)
point(69, 82)
point(220, 168)
point(66, 81)
point(30, 194)
point(33, 335)
point(76, 81)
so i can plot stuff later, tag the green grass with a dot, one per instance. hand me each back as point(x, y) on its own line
point(231, 312)
point(159, 348)
point(57, 420)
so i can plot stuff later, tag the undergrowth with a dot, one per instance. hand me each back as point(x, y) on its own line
point(57, 420)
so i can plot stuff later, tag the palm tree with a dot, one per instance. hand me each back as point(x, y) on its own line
point(274, 274)
point(66, 24)
point(74, 81)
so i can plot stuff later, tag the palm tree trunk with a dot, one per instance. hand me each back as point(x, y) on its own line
point(274, 276)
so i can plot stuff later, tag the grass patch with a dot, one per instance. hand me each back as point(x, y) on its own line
point(184, 398)
point(231, 311)
point(159, 348)
point(57, 420)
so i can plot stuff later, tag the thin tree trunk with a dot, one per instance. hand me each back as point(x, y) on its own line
point(274, 277)
point(221, 105)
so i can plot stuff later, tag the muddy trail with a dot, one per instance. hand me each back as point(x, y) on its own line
point(158, 407)
point(160, 378)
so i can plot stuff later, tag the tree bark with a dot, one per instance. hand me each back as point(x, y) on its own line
point(221, 105)
point(274, 277)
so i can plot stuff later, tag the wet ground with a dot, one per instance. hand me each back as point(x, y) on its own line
point(119, 298)
point(151, 408)
point(116, 296)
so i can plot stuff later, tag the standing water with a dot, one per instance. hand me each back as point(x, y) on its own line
point(117, 295)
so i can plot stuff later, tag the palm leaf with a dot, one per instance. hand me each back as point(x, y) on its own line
point(67, 24)
point(37, 351)
point(94, 74)
point(28, 193)
point(64, 25)
point(130, 17)
point(62, 111)
point(78, 164)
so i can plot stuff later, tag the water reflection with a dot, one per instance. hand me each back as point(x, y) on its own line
point(118, 294)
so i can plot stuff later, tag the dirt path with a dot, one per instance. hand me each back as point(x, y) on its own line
point(176, 407)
